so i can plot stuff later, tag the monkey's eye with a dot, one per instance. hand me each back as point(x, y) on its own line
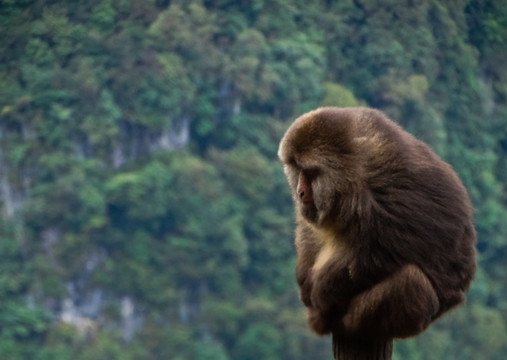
point(311, 173)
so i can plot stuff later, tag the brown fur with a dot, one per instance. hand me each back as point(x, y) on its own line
point(385, 237)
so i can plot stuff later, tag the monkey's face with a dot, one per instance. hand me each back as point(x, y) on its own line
point(312, 192)
point(320, 160)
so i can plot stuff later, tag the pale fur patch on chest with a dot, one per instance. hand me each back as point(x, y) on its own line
point(332, 248)
point(327, 252)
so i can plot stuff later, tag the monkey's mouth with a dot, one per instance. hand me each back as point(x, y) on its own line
point(309, 210)
point(308, 202)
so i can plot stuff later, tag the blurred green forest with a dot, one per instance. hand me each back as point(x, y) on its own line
point(143, 212)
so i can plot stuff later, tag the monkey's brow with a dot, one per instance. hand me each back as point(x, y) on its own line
point(291, 161)
point(299, 164)
point(308, 169)
point(312, 170)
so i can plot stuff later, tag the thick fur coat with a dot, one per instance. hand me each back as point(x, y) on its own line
point(385, 238)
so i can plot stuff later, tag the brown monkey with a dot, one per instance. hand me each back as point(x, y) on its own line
point(385, 239)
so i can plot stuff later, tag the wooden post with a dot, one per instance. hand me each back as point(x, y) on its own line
point(361, 348)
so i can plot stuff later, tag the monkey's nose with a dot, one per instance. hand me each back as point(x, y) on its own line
point(306, 197)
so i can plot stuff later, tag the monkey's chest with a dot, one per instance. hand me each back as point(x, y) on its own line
point(326, 253)
point(331, 254)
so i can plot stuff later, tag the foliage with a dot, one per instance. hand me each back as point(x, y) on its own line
point(143, 213)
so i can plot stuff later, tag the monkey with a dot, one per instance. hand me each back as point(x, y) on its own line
point(384, 238)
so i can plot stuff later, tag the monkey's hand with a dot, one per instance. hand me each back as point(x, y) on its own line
point(320, 322)
point(400, 306)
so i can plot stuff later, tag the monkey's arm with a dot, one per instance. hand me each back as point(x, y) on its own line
point(329, 295)
point(400, 306)
point(322, 272)
point(307, 248)
point(333, 286)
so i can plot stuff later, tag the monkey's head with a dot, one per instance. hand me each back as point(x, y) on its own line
point(322, 162)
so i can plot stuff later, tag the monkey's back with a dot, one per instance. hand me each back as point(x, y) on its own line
point(419, 211)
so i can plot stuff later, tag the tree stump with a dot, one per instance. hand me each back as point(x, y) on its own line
point(361, 348)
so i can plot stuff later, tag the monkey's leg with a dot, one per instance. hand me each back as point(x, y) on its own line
point(400, 306)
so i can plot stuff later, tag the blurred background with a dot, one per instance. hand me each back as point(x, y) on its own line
point(143, 212)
